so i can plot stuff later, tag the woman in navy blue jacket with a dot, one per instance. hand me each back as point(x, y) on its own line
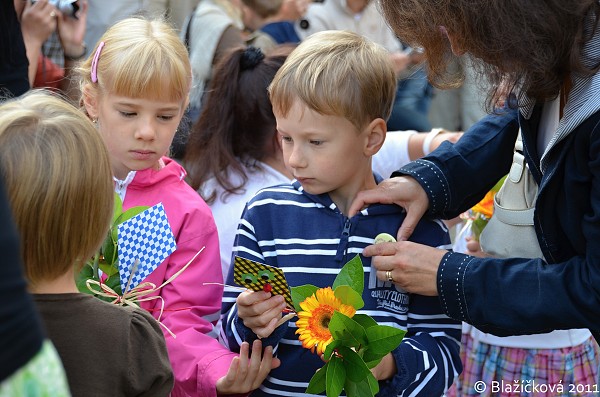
point(546, 53)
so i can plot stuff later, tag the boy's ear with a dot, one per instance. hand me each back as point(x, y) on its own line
point(376, 131)
point(90, 101)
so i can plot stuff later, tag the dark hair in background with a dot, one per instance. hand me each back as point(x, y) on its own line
point(237, 120)
point(528, 47)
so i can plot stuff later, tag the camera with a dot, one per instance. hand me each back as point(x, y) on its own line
point(67, 7)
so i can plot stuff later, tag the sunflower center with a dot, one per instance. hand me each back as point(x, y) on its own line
point(321, 317)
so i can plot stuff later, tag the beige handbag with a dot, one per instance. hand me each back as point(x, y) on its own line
point(510, 232)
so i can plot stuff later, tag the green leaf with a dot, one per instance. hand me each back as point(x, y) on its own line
point(383, 339)
point(498, 184)
point(373, 383)
point(364, 320)
point(356, 369)
point(335, 377)
point(130, 213)
point(479, 223)
point(347, 331)
point(80, 279)
point(114, 283)
point(114, 234)
point(330, 348)
point(317, 383)
point(300, 293)
point(358, 389)
point(109, 248)
point(118, 210)
point(371, 362)
point(349, 297)
point(351, 274)
point(107, 269)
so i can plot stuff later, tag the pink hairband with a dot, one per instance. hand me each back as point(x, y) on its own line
point(95, 62)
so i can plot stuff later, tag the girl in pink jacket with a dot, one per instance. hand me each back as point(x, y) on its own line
point(135, 88)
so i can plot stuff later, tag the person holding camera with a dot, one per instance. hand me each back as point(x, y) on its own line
point(40, 20)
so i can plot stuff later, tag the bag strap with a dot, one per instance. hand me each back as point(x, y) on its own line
point(514, 217)
point(517, 168)
point(517, 172)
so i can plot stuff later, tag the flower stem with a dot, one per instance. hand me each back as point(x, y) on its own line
point(95, 273)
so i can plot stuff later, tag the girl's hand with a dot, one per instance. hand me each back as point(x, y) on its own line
point(248, 372)
point(403, 191)
point(260, 311)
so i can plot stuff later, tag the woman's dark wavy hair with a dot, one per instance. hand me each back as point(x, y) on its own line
point(528, 45)
point(237, 120)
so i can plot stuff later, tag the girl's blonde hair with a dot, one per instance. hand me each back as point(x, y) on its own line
point(338, 73)
point(58, 179)
point(139, 58)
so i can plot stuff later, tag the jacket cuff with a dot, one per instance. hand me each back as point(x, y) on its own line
point(217, 365)
point(451, 288)
point(400, 381)
point(247, 335)
point(433, 181)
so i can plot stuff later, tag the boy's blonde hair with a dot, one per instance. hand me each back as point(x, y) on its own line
point(338, 73)
point(140, 58)
point(264, 8)
point(58, 179)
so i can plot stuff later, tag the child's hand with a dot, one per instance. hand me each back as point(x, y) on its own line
point(260, 311)
point(247, 373)
point(386, 369)
point(474, 248)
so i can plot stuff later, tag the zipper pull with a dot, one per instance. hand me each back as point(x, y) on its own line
point(343, 246)
point(346, 231)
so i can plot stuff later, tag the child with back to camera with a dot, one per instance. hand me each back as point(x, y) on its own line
point(135, 88)
point(331, 99)
point(57, 176)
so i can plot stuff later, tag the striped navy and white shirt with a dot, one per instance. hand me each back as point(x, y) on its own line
point(310, 239)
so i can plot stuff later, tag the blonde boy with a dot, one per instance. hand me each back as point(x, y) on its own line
point(331, 99)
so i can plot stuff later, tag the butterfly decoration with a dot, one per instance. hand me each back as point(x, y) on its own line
point(257, 276)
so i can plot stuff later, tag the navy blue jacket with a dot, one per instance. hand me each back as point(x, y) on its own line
point(522, 296)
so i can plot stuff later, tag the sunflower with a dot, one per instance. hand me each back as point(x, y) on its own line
point(313, 320)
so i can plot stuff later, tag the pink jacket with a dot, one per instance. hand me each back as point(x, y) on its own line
point(198, 359)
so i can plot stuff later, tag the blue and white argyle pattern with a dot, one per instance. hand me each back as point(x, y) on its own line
point(148, 238)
